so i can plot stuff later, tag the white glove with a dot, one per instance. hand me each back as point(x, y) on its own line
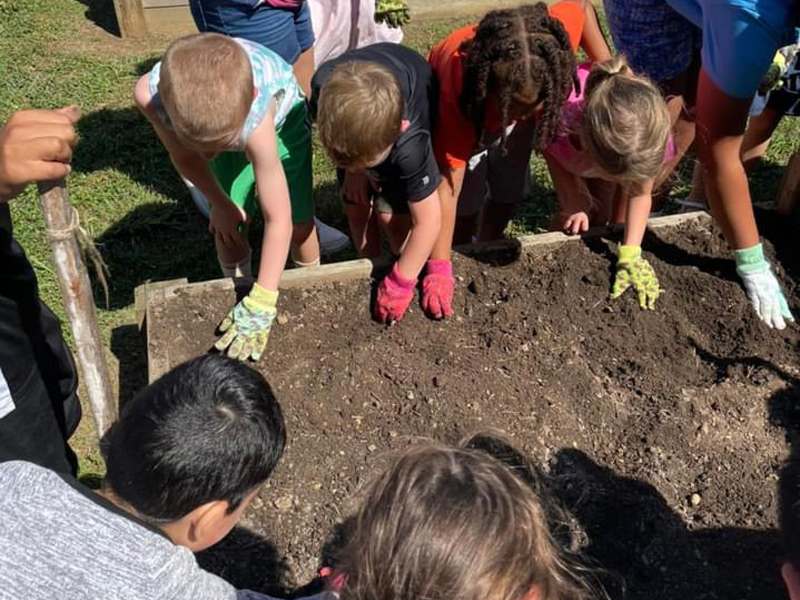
point(762, 287)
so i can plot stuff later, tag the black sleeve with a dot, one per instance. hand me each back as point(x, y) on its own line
point(415, 173)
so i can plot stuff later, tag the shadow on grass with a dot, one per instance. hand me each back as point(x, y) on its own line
point(247, 561)
point(102, 14)
point(128, 345)
point(156, 242)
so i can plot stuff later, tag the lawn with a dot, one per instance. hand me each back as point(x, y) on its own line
point(59, 52)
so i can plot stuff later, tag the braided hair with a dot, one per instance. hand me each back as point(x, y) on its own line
point(518, 52)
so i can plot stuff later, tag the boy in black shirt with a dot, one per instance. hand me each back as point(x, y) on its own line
point(372, 107)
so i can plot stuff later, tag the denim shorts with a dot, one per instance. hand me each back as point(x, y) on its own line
point(285, 31)
point(656, 40)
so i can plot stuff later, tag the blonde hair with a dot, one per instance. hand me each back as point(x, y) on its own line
point(626, 124)
point(359, 112)
point(453, 522)
point(206, 87)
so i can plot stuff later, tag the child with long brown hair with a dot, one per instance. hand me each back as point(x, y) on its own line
point(614, 139)
point(503, 84)
point(447, 522)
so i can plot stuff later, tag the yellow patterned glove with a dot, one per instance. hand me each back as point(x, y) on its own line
point(246, 328)
point(633, 270)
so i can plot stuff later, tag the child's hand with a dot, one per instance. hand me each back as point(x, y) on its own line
point(357, 187)
point(247, 326)
point(395, 293)
point(762, 287)
point(437, 289)
point(633, 270)
point(225, 221)
point(576, 223)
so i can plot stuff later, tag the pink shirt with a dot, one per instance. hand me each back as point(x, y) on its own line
point(573, 159)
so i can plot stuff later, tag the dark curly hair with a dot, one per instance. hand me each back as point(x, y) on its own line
point(518, 51)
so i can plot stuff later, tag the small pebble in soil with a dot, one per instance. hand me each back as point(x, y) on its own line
point(409, 395)
point(283, 503)
point(436, 381)
point(372, 447)
point(695, 499)
point(282, 319)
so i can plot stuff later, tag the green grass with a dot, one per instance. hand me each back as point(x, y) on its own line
point(56, 52)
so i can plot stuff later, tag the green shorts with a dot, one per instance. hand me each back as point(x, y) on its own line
point(235, 174)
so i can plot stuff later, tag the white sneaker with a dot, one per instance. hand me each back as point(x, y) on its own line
point(331, 240)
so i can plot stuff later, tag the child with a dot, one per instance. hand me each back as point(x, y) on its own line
point(740, 38)
point(185, 459)
point(516, 68)
point(372, 108)
point(236, 104)
point(443, 523)
point(617, 130)
point(285, 27)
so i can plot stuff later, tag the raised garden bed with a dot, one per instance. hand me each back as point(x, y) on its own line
point(663, 430)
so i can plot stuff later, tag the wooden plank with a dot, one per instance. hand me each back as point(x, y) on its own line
point(147, 4)
point(171, 21)
point(788, 198)
point(130, 18)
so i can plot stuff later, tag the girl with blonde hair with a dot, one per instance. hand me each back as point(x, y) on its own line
point(615, 138)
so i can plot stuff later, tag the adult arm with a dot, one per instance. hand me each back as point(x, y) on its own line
point(35, 145)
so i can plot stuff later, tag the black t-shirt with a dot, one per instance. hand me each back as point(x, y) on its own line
point(410, 173)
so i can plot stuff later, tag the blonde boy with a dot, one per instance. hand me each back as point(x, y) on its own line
point(233, 119)
point(372, 107)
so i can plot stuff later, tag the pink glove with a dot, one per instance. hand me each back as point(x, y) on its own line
point(394, 295)
point(437, 289)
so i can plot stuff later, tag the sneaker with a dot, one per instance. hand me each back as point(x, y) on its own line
point(331, 240)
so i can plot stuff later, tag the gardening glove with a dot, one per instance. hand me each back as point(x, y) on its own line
point(437, 289)
point(633, 270)
point(395, 293)
point(394, 13)
point(246, 328)
point(762, 287)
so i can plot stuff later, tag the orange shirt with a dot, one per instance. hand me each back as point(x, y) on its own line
point(454, 138)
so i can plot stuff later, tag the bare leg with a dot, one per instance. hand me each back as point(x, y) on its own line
point(230, 253)
point(305, 245)
point(396, 228)
point(303, 69)
point(756, 138)
point(364, 230)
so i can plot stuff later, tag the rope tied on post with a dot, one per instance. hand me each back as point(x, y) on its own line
point(86, 245)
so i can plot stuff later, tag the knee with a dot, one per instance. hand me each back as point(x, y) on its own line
point(302, 231)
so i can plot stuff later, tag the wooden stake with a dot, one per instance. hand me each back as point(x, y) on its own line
point(76, 290)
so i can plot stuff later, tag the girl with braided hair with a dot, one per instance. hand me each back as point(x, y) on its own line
point(502, 87)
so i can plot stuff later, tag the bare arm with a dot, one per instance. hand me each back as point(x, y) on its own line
point(426, 221)
point(593, 41)
point(638, 211)
point(449, 190)
point(189, 163)
point(273, 198)
point(721, 121)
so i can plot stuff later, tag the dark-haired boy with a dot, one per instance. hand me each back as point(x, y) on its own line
point(373, 111)
point(184, 460)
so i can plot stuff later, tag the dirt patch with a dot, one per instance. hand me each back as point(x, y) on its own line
point(660, 430)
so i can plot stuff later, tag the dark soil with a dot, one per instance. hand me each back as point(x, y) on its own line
point(630, 412)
